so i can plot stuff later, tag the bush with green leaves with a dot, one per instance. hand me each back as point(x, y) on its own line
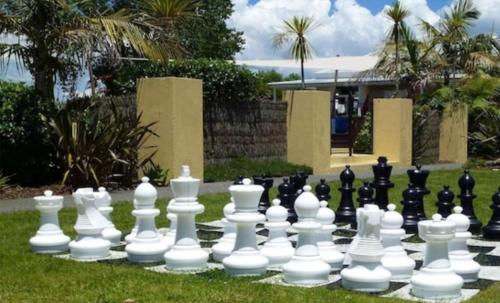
point(27, 154)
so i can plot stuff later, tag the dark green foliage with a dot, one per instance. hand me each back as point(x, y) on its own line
point(3, 180)
point(419, 140)
point(363, 143)
point(26, 152)
point(484, 132)
point(156, 174)
point(249, 167)
point(263, 78)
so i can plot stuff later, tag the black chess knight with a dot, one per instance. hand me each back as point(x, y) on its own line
point(346, 212)
point(466, 184)
point(445, 201)
point(418, 177)
point(381, 182)
point(267, 183)
point(286, 194)
point(492, 229)
point(410, 209)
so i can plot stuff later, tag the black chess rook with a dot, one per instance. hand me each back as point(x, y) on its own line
point(418, 177)
point(410, 209)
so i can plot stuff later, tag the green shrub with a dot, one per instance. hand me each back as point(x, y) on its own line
point(484, 132)
point(26, 151)
point(363, 142)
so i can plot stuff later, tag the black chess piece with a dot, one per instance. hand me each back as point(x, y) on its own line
point(445, 201)
point(466, 184)
point(323, 191)
point(418, 177)
point(410, 209)
point(267, 183)
point(346, 212)
point(492, 229)
point(365, 194)
point(298, 181)
point(381, 182)
point(239, 180)
point(286, 194)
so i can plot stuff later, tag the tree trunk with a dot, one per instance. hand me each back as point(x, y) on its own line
point(396, 40)
point(302, 73)
point(44, 82)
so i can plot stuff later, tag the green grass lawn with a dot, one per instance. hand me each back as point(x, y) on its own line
point(26, 277)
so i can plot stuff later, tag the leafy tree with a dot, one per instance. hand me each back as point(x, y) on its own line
point(296, 29)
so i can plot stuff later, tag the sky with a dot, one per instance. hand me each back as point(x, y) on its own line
point(346, 27)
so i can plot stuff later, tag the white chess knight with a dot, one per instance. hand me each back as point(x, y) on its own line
point(90, 223)
point(327, 249)
point(277, 249)
point(461, 260)
point(306, 265)
point(147, 246)
point(172, 229)
point(225, 244)
point(187, 253)
point(366, 273)
point(436, 279)
point(103, 202)
point(49, 238)
point(395, 258)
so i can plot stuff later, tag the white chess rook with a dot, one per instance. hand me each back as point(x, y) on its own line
point(395, 258)
point(245, 259)
point(366, 273)
point(327, 249)
point(225, 245)
point(103, 201)
point(306, 265)
point(436, 280)
point(461, 259)
point(277, 249)
point(186, 254)
point(49, 238)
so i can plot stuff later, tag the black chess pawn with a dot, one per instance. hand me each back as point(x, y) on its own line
point(492, 229)
point(410, 209)
point(445, 201)
point(418, 177)
point(381, 182)
point(466, 184)
point(323, 191)
point(267, 183)
point(239, 180)
point(286, 194)
point(346, 212)
point(365, 194)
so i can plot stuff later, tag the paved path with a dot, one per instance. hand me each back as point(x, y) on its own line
point(13, 205)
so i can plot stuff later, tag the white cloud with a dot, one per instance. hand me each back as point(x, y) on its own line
point(347, 28)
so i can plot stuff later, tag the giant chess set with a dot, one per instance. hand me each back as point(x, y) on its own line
point(296, 238)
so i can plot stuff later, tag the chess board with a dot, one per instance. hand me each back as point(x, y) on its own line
point(487, 253)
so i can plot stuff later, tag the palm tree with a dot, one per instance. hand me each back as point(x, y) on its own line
point(397, 13)
point(296, 29)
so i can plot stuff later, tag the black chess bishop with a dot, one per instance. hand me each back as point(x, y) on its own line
point(492, 229)
point(466, 184)
point(346, 212)
point(445, 201)
point(381, 182)
point(267, 183)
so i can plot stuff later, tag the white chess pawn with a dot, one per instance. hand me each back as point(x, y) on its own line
point(225, 245)
point(49, 238)
point(327, 249)
point(147, 245)
point(461, 260)
point(395, 258)
point(89, 225)
point(172, 229)
point(103, 202)
point(306, 265)
point(277, 249)
point(436, 280)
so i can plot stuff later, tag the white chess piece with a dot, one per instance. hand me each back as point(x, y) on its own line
point(436, 280)
point(366, 273)
point(187, 253)
point(327, 249)
point(306, 265)
point(225, 244)
point(172, 229)
point(395, 258)
point(147, 246)
point(103, 202)
point(142, 200)
point(89, 225)
point(461, 260)
point(245, 259)
point(277, 249)
point(49, 238)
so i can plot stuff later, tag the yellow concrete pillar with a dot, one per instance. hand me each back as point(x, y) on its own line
point(453, 134)
point(176, 104)
point(308, 129)
point(392, 129)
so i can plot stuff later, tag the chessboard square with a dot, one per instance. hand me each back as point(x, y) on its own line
point(483, 243)
point(405, 294)
point(216, 224)
point(279, 280)
point(489, 273)
point(413, 246)
point(162, 269)
point(113, 255)
point(495, 252)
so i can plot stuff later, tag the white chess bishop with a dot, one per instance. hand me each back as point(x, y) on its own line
point(366, 273)
point(461, 260)
point(306, 265)
point(327, 249)
point(395, 258)
point(147, 246)
point(277, 249)
point(103, 202)
point(49, 238)
point(187, 253)
point(225, 244)
point(245, 259)
point(436, 279)
point(90, 223)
